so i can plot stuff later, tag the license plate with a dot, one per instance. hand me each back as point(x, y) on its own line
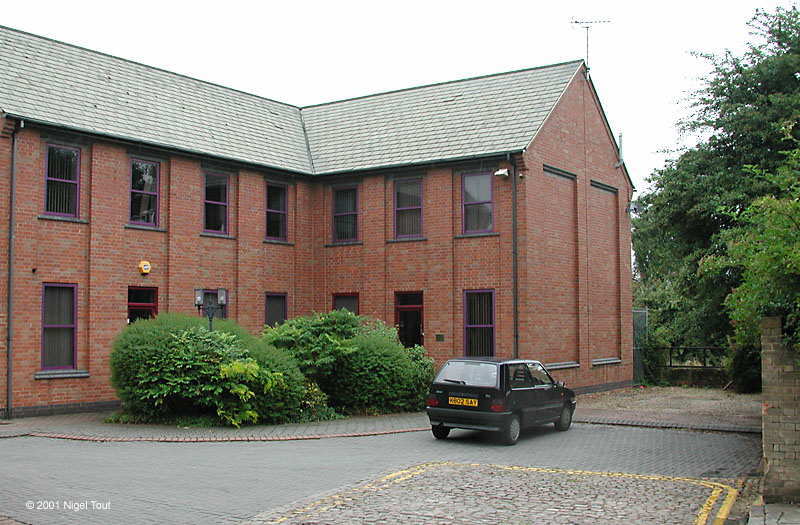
point(462, 401)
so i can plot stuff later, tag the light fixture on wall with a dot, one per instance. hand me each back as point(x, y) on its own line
point(502, 172)
point(210, 310)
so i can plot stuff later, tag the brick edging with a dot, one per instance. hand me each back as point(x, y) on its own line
point(100, 439)
point(670, 426)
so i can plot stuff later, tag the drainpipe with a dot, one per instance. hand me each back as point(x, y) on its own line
point(514, 254)
point(9, 292)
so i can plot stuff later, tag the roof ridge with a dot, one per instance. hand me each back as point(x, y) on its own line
point(95, 52)
point(478, 77)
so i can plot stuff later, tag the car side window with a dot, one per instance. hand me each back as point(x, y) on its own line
point(540, 377)
point(518, 376)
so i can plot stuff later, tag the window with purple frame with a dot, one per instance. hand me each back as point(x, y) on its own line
point(58, 326)
point(345, 214)
point(144, 192)
point(477, 198)
point(216, 203)
point(275, 309)
point(346, 301)
point(479, 323)
point(62, 181)
point(407, 208)
point(276, 212)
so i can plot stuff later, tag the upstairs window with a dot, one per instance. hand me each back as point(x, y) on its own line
point(62, 181)
point(216, 203)
point(276, 212)
point(408, 208)
point(478, 207)
point(58, 326)
point(144, 192)
point(345, 214)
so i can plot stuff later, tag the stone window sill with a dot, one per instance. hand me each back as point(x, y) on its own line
point(408, 239)
point(606, 361)
point(62, 219)
point(344, 243)
point(278, 241)
point(470, 235)
point(217, 235)
point(562, 365)
point(145, 228)
point(60, 374)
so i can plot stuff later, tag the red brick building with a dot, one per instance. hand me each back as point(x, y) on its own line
point(482, 216)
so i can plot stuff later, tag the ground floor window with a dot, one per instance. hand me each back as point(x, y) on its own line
point(346, 301)
point(142, 303)
point(479, 323)
point(408, 318)
point(275, 309)
point(59, 313)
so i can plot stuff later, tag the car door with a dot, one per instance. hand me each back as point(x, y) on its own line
point(522, 396)
point(548, 395)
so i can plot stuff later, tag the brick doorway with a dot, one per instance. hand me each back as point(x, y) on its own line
point(408, 318)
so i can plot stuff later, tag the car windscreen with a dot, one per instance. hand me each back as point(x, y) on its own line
point(470, 373)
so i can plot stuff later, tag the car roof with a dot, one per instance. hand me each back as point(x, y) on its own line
point(496, 360)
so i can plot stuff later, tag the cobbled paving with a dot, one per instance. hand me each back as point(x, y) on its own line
point(455, 493)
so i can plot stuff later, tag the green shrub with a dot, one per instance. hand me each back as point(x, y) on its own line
point(357, 362)
point(316, 341)
point(171, 366)
point(380, 376)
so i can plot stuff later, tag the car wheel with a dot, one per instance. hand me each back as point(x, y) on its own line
point(565, 421)
point(510, 434)
point(440, 431)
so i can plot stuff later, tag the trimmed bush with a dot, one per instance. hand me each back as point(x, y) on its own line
point(318, 342)
point(358, 362)
point(173, 366)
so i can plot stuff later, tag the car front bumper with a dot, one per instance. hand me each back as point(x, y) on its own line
point(472, 420)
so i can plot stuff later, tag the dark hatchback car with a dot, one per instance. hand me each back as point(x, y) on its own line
point(497, 395)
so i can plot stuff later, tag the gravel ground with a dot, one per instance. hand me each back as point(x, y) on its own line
point(709, 404)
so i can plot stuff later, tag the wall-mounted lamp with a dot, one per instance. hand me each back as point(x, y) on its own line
point(502, 172)
point(210, 310)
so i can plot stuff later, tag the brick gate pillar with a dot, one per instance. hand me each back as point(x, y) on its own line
point(780, 378)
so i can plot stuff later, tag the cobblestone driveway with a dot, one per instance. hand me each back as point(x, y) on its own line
point(461, 493)
point(227, 482)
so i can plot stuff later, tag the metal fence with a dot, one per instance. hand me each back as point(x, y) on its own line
point(693, 356)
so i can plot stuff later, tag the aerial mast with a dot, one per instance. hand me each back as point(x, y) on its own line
point(587, 25)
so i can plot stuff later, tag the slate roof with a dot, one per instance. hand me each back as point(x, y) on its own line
point(67, 86)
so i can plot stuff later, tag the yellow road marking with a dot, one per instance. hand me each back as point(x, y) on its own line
point(703, 514)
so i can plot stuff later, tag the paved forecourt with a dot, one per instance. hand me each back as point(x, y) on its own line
point(266, 481)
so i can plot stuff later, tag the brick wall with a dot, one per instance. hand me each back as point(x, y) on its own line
point(574, 251)
point(780, 379)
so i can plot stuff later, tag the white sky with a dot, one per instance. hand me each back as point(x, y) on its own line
point(304, 52)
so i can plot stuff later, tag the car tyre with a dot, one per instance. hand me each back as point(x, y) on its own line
point(510, 434)
point(440, 431)
point(565, 420)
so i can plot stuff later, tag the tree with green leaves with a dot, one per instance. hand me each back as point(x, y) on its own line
point(746, 113)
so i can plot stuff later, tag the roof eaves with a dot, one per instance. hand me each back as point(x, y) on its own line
point(419, 163)
point(156, 144)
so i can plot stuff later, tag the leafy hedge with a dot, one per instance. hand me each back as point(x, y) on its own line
point(172, 366)
point(358, 362)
